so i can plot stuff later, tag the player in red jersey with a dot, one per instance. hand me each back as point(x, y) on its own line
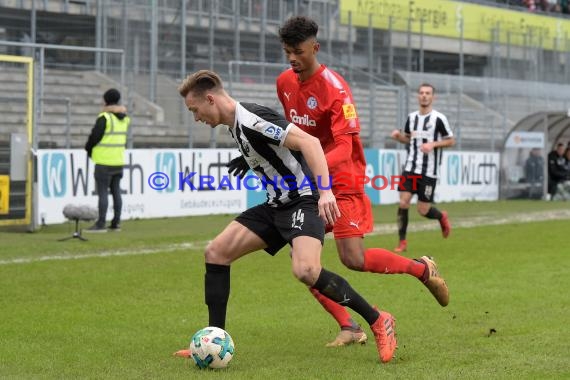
point(319, 101)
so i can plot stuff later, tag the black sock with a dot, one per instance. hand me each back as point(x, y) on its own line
point(433, 213)
point(337, 289)
point(402, 223)
point(217, 289)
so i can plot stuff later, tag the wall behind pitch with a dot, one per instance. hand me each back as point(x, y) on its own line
point(468, 176)
point(66, 176)
point(462, 176)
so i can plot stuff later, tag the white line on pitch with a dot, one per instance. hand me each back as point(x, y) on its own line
point(144, 251)
point(379, 229)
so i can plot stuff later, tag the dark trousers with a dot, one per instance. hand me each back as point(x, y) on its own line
point(109, 178)
point(552, 187)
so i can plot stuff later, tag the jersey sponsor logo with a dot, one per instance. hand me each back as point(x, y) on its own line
point(312, 102)
point(422, 135)
point(301, 120)
point(349, 111)
point(272, 132)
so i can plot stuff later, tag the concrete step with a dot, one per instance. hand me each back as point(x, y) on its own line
point(17, 88)
point(72, 90)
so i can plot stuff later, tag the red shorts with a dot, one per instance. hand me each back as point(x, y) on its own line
point(355, 216)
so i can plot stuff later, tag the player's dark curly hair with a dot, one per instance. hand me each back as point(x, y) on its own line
point(298, 29)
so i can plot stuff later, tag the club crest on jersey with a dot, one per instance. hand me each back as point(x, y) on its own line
point(349, 111)
point(312, 102)
point(272, 132)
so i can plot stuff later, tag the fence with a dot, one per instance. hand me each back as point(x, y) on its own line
point(401, 36)
point(483, 110)
point(39, 51)
point(371, 47)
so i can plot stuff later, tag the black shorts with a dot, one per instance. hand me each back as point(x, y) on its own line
point(277, 226)
point(423, 186)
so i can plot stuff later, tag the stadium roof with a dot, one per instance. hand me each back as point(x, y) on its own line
point(556, 123)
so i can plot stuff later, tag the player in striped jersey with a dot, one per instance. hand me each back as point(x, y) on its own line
point(426, 132)
point(294, 214)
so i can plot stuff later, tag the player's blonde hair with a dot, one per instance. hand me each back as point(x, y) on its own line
point(200, 82)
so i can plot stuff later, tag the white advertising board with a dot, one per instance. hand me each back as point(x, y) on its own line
point(462, 176)
point(468, 176)
point(66, 176)
point(167, 182)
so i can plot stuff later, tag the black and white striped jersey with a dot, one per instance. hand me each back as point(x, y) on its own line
point(260, 133)
point(423, 129)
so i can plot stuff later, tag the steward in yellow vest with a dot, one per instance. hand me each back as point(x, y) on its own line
point(106, 147)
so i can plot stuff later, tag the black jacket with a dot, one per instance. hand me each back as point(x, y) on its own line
point(556, 167)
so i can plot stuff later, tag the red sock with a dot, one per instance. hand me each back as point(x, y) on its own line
point(338, 312)
point(380, 260)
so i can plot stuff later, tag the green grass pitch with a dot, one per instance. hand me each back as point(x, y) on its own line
point(117, 306)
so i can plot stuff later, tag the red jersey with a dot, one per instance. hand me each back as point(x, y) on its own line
point(323, 107)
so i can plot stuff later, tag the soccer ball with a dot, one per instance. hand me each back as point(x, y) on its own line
point(212, 347)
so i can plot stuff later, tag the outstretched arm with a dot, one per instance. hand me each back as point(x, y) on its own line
point(400, 137)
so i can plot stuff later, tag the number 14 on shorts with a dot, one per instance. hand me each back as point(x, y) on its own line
point(298, 219)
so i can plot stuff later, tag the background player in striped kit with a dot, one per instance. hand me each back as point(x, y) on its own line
point(426, 132)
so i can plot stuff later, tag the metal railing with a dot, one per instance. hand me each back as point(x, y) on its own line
point(40, 73)
point(67, 102)
point(370, 49)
